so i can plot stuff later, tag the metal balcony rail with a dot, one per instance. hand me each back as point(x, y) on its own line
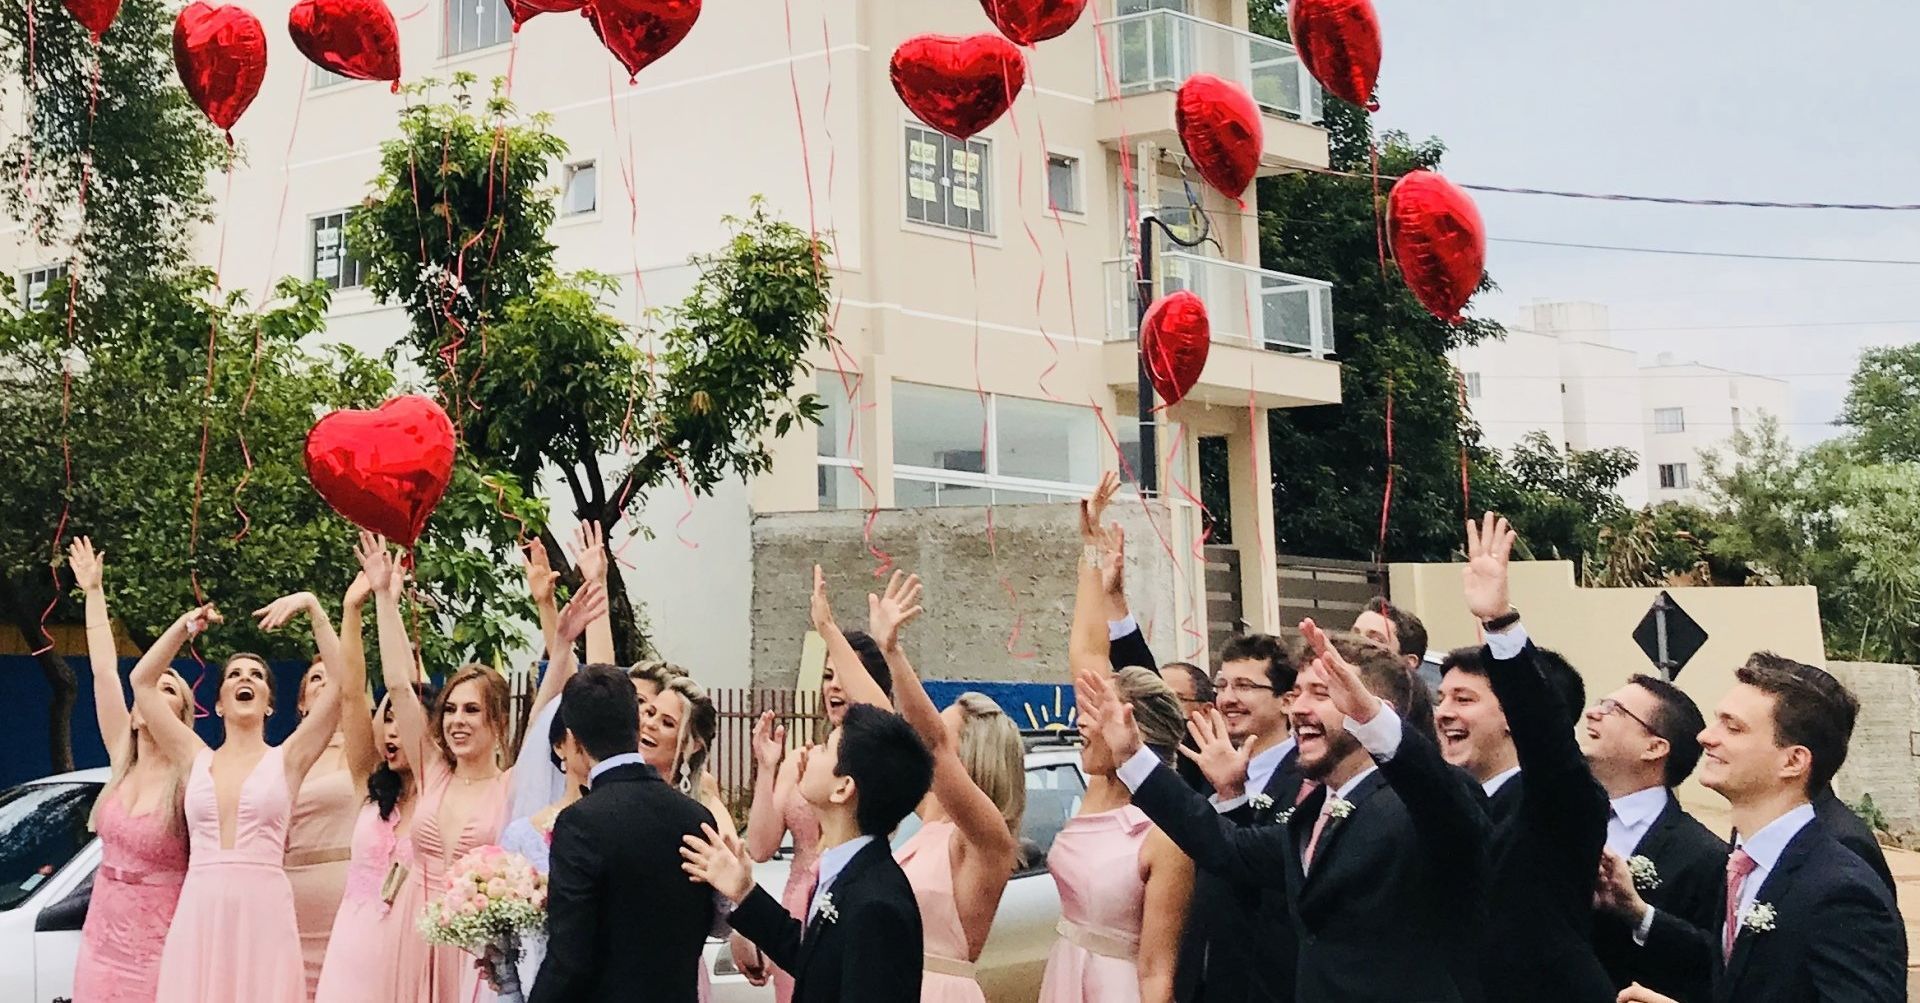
point(1246, 306)
point(1157, 50)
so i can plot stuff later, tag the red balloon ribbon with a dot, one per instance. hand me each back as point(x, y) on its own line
point(384, 469)
point(958, 85)
point(1028, 22)
point(1339, 41)
point(638, 32)
point(94, 15)
point(1175, 337)
point(1438, 240)
point(524, 10)
point(354, 38)
point(1220, 126)
point(221, 54)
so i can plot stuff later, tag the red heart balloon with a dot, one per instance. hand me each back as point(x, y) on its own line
point(638, 32)
point(1339, 41)
point(95, 15)
point(354, 38)
point(384, 469)
point(1175, 337)
point(1030, 21)
point(1438, 241)
point(958, 85)
point(1220, 126)
point(221, 53)
point(524, 10)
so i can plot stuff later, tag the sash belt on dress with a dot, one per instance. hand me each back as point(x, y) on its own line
point(1107, 945)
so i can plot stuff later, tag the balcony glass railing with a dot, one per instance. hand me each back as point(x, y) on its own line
point(1246, 306)
point(1157, 50)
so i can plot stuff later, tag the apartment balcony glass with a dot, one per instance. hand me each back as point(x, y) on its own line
point(1246, 306)
point(1157, 50)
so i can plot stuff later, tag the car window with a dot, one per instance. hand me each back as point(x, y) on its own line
point(1054, 793)
point(42, 826)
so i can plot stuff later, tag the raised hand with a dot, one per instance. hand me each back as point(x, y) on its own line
point(899, 606)
point(378, 563)
point(1104, 715)
point(1613, 891)
point(819, 610)
point(1113, 561)
point(719, 862)
point(87, 564)
point(197, 620)
point(1094, 507)
point(585, 607)
point(591, 544)
point(769, 742)
point(1350, 696)
point(277, 613)
point(357, 593)
point(1224, 766)
point(1484, 579)
point(540, 574)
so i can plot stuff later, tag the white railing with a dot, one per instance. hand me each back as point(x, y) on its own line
point(1246, 306)
point(1157, 50)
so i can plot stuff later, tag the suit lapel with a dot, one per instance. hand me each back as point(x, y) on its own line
point(843, 883)
point(1779, 882)
point(1323, 851)
point(1653, 845)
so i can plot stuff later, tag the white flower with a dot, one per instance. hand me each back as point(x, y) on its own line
point(1261, 802)
point(1339, 808)
point(1646, 877)
point(829, 913)
point(1758, 918)
point(1284, 817)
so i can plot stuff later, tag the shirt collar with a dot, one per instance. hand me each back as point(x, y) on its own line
point(1641, 807)
point(1766, 845)
point(835, 859)
point(623, 759)
point(1347, 788)
point(1263, 765)
point(1499, 780)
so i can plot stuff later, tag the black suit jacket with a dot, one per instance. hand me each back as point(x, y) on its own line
point(1131, 649)
point(1549, 824)
point(623, 922)
point(869, 950)
point(1393, 899)
point(1691, 865)
point(1836, 937)
point(1854, 834)
point(1239, 943)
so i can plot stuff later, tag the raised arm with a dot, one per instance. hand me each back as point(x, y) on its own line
point(974, 813)
point(591, 544)
point(540, 581)
point(178, 741)
point(765, 823)
point(382, 568)
point(847, 666)
point(1087, 642)
point(109, 701)
point(586, 605)
point(356, 702)
point(303, 748)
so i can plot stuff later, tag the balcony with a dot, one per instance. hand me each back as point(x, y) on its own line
point(1272, 332)
point(1146, 56)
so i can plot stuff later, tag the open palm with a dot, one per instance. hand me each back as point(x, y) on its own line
point(1484, 580)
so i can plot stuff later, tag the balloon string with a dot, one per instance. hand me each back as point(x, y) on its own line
point(498, 151)
point(1386, 495)
point(1127, 179)
point(1466, 495)
point(26, 113)
point(1379, 226)
point(1199, 550)
point(206, 395)
point(986, 459)
point(1039, 253)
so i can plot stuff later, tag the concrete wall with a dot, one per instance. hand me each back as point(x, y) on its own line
point(971, 617)
point(1881, 761)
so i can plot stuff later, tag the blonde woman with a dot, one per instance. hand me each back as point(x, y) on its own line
point(143, 834)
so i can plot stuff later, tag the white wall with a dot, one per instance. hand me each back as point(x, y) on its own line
point(1714, 403)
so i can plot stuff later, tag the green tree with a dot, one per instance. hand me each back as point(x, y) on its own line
point(1558, 501)
point(543, 378)
point(1883, 404)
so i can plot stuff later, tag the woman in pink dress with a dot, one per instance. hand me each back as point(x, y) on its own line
point(234, 938)
point(464, 790)
point(1124, 886)
point(143, 835)
point(361, 946)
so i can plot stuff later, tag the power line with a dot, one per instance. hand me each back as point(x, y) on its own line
point(1709, 254)
point(1653, 199)
point(1715, 327)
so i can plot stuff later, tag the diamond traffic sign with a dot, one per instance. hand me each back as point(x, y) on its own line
point(1669, 636)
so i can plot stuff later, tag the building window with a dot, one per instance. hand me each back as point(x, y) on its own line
point(35, 282)
point(837, 451)
point(1669, 419)
point(952, 448)
point(323, 77)
point(1736, 419)
point(1063, 183)
point(1673, 476)
point(477, 24)
point(333, 261)
point(1473, 386)
point(580, 194)
point(948, 181)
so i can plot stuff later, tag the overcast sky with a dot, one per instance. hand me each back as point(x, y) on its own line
point(1759, 99)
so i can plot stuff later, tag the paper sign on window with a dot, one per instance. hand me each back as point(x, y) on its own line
point(922, 152)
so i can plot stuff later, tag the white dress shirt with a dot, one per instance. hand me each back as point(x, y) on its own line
point(1260, 770)
point(1503, 645)
point(833, 860)
point(1117, 629)
point(1765, 848)
point(1631, 815)
point(1499, 780)
point(623, 759)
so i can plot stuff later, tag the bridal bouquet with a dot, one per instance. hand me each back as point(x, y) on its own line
point(492, 897)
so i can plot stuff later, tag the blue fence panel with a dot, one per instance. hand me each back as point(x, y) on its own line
point(1033, 706)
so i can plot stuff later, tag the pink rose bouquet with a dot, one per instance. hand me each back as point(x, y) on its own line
point(492, 897)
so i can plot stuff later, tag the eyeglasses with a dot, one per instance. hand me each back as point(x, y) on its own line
point(1609, 705)
point(1224, 685)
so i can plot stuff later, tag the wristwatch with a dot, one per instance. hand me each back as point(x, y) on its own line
point(1503, 621)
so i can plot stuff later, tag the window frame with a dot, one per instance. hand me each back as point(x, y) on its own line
point(1077, 182)
point(1673, 477)
point(990, 479)
point(989, 204)
point(570, 171)
point(1661, 423)
point(337, 284)
point(1473, 384)
point(447, 34)
point(834, 461)
point(51, 270)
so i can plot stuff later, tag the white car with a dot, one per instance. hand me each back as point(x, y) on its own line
point(1023, 929)
point(47, 859)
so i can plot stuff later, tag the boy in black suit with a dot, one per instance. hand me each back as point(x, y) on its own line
point(1805, 920)
point(1642, 740)
point(862, 938)
point(617, 846)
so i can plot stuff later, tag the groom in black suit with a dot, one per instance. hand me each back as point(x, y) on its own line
point(862, 938)
point(623, 925)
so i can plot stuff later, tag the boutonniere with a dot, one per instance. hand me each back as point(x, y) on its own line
point(1758, 918)
point(1646, 877)
point(1260, 802)
point(1286, 816)
point(1339, 808)
point(829, 913)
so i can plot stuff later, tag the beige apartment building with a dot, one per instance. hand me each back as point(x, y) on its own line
point(985, 289)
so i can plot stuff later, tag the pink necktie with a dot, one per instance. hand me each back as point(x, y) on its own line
point(1739, 865)
point(1319, 826)
point(1307, 787)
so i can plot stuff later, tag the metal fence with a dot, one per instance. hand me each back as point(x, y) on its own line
point(731, 762)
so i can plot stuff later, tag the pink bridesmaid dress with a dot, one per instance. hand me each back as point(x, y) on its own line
point(802, 875)
point(927, 858)
point(319, 843)
point(424, 973)
point(1096, 863)
point(234, 939)
point(365, 934)
point(142, 864)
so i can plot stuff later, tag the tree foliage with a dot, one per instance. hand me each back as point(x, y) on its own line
point(1558, 501)
point(1883, 404)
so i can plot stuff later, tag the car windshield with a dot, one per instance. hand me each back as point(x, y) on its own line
point(1054, 792)
point(42, 826)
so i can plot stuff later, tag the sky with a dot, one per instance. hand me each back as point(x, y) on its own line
point(1759, 100)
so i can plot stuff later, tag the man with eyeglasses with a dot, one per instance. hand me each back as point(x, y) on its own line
point(1641, 741)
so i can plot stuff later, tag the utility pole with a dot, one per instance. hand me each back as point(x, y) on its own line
point(1149, 471)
